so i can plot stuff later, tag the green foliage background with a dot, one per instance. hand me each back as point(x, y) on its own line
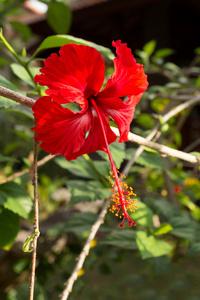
point(157, 259)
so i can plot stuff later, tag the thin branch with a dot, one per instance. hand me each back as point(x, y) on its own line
point(155, 130)
point(192, 145)
point(132, 138)
point(85, 251)
point(194, 100)
point(25, 171)
point(159, 147)
point(16, 97)
point(36, 221)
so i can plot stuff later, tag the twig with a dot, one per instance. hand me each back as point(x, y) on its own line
point(155, 130)
point(36, 222)
point(181, 107)
point(159, 147)
point(25, 171)
point(85, 251)
point(132, 138)
point(192, 145)
point(16, 97)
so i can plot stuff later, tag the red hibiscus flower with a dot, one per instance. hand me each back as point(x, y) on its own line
point(76, 75)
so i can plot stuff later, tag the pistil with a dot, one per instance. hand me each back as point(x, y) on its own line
point(121, 192)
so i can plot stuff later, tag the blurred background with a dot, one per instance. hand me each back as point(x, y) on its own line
point(164, 37)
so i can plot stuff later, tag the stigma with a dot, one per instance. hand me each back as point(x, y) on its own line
point(123, 199)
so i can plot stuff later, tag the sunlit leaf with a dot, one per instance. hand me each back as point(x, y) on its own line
point(145, 120)
point(161, 53)
point(60, 40)
point(143, 215)
point(149, 246)
point(149, 47)
point(16, 199)
point(22, 74)
point(163, 229)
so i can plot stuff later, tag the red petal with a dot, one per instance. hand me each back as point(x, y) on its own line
point(121, 112)
point(60, 130)
point(128, 78)
point(95, 140)
point(74, 75)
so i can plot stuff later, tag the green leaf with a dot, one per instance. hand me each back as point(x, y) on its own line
point(195, 153)
point(9, 224)
point(164, 207)
point(143, 215)
point(195, 209)
point(102, 167)
point(24, 53)
point(86, 191)
point(194, 249)
point(178, 139)
point(143, 55)
point(151, 247)
point(149, 47)
point(158, 104)
point(151, 160)
point(60, 40)
point(145, 120)
point(79, 167)
point(172, 67)
point(161, 53)
point(59, 17)
point(27, 113)
point(184, 227)
point(7, 159)
point(80, 224)
point(118, 153)
point(198, 81)
point(163, 229)
point(197, 51)
point(173, 85)
point(22, 28)
point(124, 239)
point(15, 198)
point(22, 74)
point(20, 265)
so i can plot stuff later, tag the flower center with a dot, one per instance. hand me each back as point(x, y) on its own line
point(121, 192)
